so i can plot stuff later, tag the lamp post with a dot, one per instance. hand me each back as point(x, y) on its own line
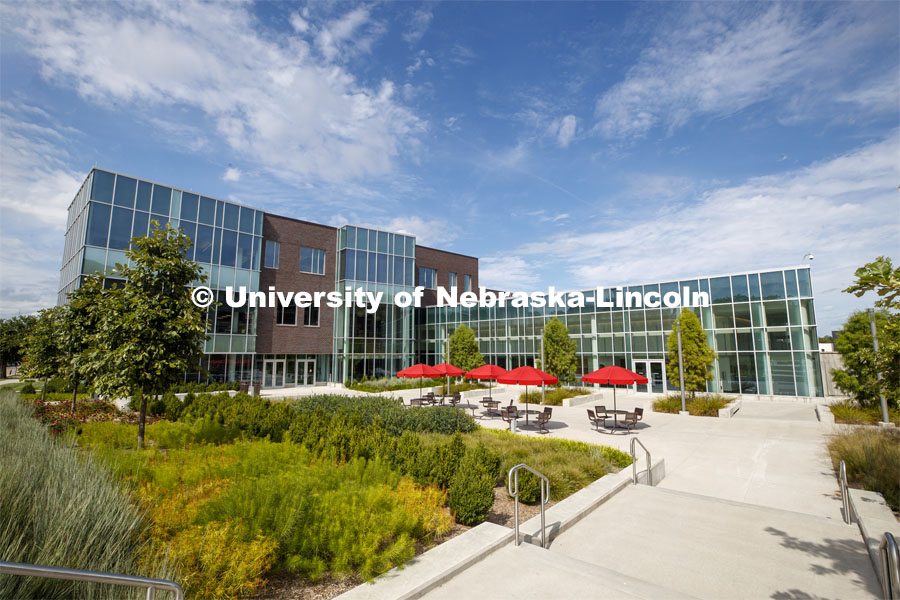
point(884, 408)
point(543, 367)
point(680, 365)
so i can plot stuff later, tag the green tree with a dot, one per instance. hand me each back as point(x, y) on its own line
point(463, 349)
point(80, 323)
point(150, 332)
point(559, 352)
point(44, 355)
point(862, 364)
point(881, 277)
point(12, 337)
point(697, 355)
point(858, 378)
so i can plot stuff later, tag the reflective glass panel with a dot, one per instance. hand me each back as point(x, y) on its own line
point(776, 314)
point(739, 287)
point(790, 280)
point(244, 251)
point(772, 285)
point(720, 290)
point(246, 224)
point(229, 248)
point(207, 211)
point(125, 188)
point(162, 197)
point(203, 244)
point(141, 222)
point(120, 230)
point(232, 214)
point(102, 186)
point(144, 192)
point(804, 283)
point(98, 224)
point(189, 204)
point(754, 286)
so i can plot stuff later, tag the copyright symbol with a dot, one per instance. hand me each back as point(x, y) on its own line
point(202, 296)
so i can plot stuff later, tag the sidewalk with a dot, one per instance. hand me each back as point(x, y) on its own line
point(772, 455)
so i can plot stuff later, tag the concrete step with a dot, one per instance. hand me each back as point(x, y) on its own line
point(712, 548)
point(527, 571)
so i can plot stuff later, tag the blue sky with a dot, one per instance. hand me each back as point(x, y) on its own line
point(566, 144)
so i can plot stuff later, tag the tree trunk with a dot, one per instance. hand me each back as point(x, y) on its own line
point(142, 419)
point(74, 392)
point(44, 391)
point(3, 368)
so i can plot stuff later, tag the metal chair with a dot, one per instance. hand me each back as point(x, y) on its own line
point(639, 413)
point(542, 420)
point(630, 420)
point(602, 414)
point(508, 413)
point(595, 420)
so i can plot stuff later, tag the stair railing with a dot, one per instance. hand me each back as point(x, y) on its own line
point(634, 475)
point(151, 585)
point(512, 485)
point(889, 557)
point(845, 493)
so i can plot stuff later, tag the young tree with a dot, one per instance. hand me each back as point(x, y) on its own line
point(79, 329)
point(150, 332)
point(862, 364)
point(43, 354)
point(463, 351)
point(12, 336)
point(559, 352)
point(695, 351)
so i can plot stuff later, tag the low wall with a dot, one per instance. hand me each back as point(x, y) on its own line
point(823, 413)
point(729, 409)
point(874, 518)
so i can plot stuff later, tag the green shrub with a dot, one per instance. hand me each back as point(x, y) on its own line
point(872, 457)
point(850, 412)
point(553, 396)
point(27, 388)
point(471, 493)
point(388, 384)
point(58, 416)
point(529, 487)
point(59, 507)
point(58, 385)
point(700, 406)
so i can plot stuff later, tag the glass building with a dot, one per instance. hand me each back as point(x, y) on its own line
point(761, 323)
point(112, 208)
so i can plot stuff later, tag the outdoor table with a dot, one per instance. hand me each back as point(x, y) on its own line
point(615, 419)
point(418, 402)
point(491, 406)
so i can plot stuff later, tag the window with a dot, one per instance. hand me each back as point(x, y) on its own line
point(467, 282)
point(312, 260)
point(285, 315)
point(311, 316)
point(427, 277)
point(453, 283)
point(271, 254)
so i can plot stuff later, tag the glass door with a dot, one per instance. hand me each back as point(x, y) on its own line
point(657, 377)
point(306, 372)
point(273, 373)
point(640, 367)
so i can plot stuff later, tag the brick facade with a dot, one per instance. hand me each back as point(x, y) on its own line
point(291, 234)
point(444, 262)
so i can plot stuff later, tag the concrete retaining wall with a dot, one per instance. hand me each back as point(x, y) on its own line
point(729, 409)
point(874, 517)
point(823, 413)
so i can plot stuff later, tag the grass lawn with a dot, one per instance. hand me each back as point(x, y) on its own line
point(700, 406)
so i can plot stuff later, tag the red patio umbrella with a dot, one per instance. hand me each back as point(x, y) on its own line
point(420, 370)
point(614, 376)
point(527, 376)
point(489, 372)
point(448, 370)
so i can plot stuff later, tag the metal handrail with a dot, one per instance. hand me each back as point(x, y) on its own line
point(889, 557)
point(512, 485)
point(634, 462)
point(11, 568)
point(845, 493)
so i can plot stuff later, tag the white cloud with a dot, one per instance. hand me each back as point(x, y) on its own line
point(566, 130)
point(844, 210)
point(271, 99)
point(428, 232)
point(38, 186)
point(419, 23)
point(509, 273)
point(231, 174)
point(299, 24)
point(717, 60)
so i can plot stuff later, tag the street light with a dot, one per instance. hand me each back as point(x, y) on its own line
point(884, 407)
point(808, 255)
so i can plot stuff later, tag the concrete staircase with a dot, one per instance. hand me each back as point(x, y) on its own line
point(617, 540)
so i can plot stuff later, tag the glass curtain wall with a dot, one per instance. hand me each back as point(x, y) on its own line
point(111, 209)
point(374, 344)
point(761, 324)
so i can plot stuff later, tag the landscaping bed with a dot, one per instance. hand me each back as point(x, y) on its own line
point(318, 494)
point(553, 396)
point(872, 457)
point(700, 406)
point(851, 413)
